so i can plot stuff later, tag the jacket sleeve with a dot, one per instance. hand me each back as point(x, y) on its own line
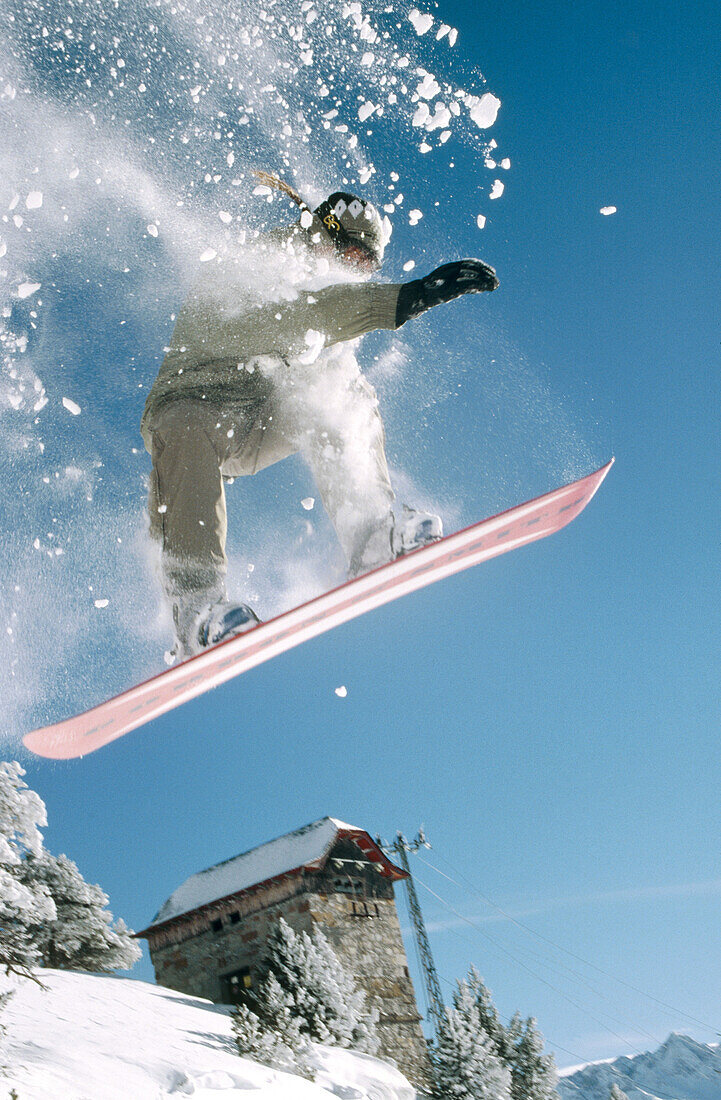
point(215, 328)
point(348, 310)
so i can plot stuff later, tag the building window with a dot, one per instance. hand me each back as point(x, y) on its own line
point(217, 925)
point(234, 918)
point(236, 987)
point(347, 886)
point(361, 909)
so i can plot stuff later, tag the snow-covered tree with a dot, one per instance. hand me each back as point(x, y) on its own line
point(502, 1038)
point(320, 994)
point(616, 1093)
point(282, 1047)
point(466, 1063)
point(533, 1073)
point(82, 935)
point(23, 905)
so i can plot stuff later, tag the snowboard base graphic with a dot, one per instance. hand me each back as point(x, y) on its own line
point(137, 706)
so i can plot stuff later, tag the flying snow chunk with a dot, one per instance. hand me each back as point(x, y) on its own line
point(368, 59)
point(496, 190)
point(225, 217)
point(483, 111)
point(307, 503)
point(481, 221)
point(101, 603)
point(71, 406)
point(152, 230)
point(306, 219)
point(26, 289)
point(315, 342)
point(608, 210)
point(34, 200)
point(366, 110)
point(341, 691)
point(422, 114)
point(208, 255)
point(429, 87)
point(414, 216)
point(409, 265)
point(422, 22)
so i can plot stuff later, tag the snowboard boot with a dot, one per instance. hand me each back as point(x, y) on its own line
point(196, 630)
point(409, 531)
point(414, 529)
point(224, 621)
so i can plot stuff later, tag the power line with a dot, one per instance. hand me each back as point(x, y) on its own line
point(519, 924)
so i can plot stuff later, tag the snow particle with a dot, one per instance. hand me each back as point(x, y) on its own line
point(409, 265)
point(608, 210)
point(496, 190)
point(483, 111)
point(307, 503)
point(422, 22)
point(26, 289)
point(34, 200)
point(152, 230)
point(208, 255)
point(101, 603)
point(341, 691)
point(481, 221)
point(71, 406)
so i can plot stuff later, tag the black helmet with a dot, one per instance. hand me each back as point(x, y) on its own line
point(352, 222)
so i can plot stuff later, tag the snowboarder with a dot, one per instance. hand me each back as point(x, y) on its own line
point(259, 370)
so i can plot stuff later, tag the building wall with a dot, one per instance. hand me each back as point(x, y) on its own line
point(361, 924)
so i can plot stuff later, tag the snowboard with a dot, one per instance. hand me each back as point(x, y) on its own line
point(84, 733)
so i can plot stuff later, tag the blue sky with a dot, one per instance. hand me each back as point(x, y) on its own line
point(551, 717)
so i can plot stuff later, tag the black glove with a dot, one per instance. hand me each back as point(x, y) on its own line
point(443, 285)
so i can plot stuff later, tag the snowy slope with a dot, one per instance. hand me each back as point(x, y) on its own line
point(89, 1037)
point(680, 1069)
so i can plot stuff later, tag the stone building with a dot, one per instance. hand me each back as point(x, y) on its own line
point(208, 938)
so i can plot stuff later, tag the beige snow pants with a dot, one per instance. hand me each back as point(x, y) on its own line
point(195, 444)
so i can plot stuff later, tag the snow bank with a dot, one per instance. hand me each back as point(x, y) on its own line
point(104, 1038)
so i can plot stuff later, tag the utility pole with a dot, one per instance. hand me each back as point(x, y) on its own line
point(401, 848)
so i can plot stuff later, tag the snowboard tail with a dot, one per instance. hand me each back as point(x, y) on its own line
point(138, 705)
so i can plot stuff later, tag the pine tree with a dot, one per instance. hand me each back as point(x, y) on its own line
point(83, 935)
point(488, 1014)
point(22, 905)
point(282, 1049)
point(466, 1064)
point(533, 1073)
point(310, 981)
point(616, 1093)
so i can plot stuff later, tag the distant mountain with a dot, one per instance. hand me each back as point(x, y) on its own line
point(681, 1069)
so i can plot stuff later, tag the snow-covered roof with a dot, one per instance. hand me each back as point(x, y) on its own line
point(306, 848)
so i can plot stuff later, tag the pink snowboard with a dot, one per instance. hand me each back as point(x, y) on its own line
point(138, 705)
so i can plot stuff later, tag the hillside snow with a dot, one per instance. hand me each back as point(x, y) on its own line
point(92, 1037)
point(681, 1069)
